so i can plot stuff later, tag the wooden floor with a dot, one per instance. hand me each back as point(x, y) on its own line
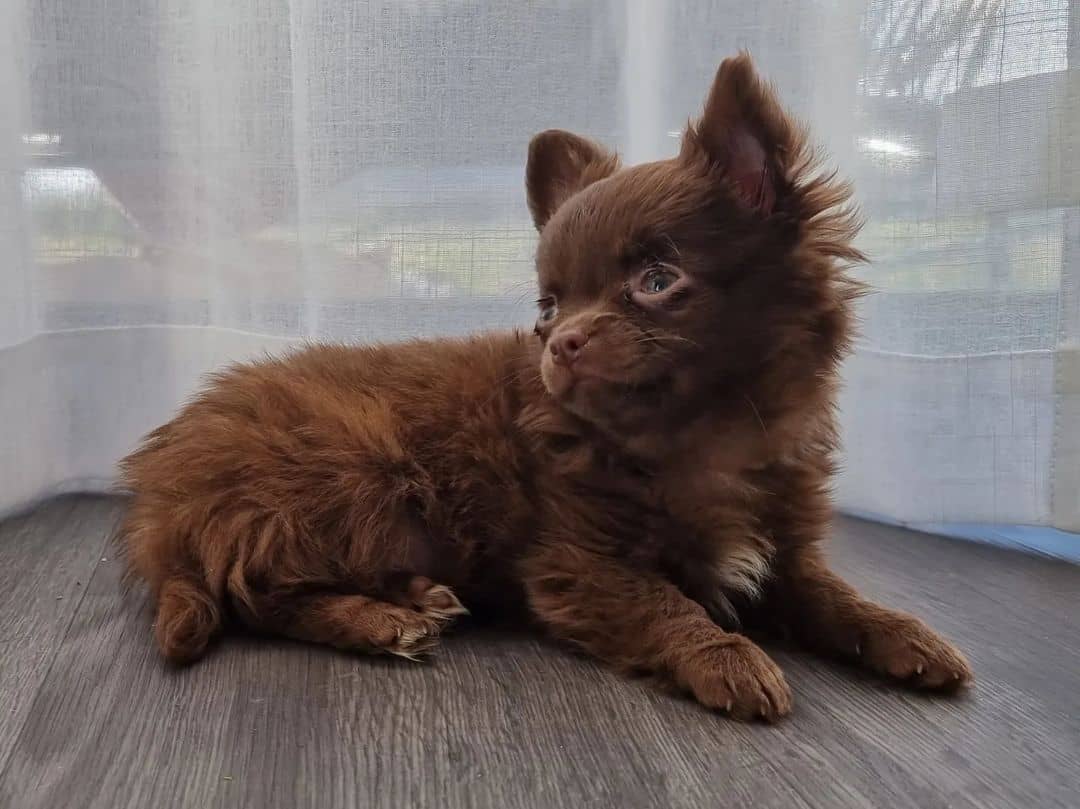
point(89, 716)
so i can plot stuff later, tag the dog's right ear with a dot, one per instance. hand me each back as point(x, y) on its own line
point(561, 164)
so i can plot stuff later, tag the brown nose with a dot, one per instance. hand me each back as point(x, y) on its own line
point(566, 346)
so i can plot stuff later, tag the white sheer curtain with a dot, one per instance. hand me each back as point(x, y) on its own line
point(184, 182)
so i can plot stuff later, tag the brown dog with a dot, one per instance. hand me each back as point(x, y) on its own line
point(645, 474)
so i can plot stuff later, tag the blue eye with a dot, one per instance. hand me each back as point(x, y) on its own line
point(548, 310)
point(656, 281)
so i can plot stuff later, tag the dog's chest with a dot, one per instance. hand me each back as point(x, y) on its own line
point(724, 577)
point(722, 557)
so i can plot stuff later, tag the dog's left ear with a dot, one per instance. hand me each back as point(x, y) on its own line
point(743, 134)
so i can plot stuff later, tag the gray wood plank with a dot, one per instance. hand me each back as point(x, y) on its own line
point(1017, 616)
point(504, 720)
point(1014, 741)
point(496, 720)
point(46, 559)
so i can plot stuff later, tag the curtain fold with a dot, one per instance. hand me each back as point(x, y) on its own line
point(184, 183)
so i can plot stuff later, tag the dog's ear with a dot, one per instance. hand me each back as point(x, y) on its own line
point(561, 164)
point(743, 134)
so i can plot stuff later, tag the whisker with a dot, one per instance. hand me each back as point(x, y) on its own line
point(757, 415)
point(526, 376)
point(600, 318)
point(662, 338)
point(521, 297)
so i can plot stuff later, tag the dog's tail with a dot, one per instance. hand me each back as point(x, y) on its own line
point(188, 618)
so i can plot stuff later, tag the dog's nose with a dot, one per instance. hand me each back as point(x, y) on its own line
point(566, 346)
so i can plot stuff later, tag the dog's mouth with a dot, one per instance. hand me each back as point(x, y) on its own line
point(596, 391)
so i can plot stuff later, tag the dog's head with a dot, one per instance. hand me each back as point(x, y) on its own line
point(687, 285)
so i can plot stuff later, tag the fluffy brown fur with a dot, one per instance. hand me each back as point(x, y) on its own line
point(643, 476)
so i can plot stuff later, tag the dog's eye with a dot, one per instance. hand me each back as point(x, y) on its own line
point(548, 310)
point(656, 281)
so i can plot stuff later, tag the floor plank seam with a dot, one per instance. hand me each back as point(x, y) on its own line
point(55, 651)
point(27, 529)
point(510, 720)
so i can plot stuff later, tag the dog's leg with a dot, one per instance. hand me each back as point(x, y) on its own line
point(825, 613)
point(359, 623)
point(639, 622)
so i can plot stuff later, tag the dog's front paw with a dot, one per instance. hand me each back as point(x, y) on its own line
point(904, 648)
point(739, 678)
